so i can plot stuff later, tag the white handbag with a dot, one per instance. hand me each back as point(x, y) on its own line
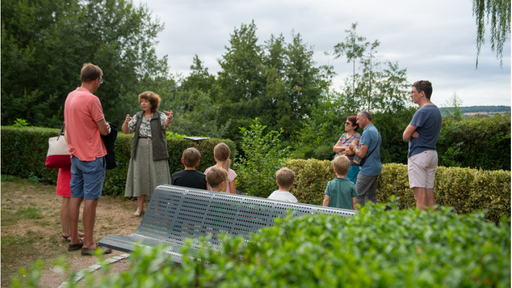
point(58, 153)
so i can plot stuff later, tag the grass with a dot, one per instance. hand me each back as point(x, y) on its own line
point(31, 226)
point(17, 212)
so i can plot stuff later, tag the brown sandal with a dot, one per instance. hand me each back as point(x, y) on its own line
point(68, 238)
point(92, 252)
point(74, 247)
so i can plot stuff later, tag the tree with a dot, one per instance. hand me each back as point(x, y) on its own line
point(392, 88)
point(305, 84)
point(498, 13)
point(370, 75)
point(45, 43)
point(353, 48)
point(373, 89)
point(196, 115)
point(241, 80)
point(199, 77)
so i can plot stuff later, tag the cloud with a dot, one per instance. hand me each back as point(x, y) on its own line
point(434, 40)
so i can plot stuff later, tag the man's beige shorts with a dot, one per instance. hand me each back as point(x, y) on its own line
point(422, 169)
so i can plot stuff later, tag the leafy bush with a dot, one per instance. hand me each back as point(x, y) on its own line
point(378, 247)
point(464, 189)
point(322, 131)
point(476, 142)
point(24, 153)
point(311, 177)
point(391, 127)
point(262, 158)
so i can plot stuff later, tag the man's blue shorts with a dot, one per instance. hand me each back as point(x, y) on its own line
point(87, 178)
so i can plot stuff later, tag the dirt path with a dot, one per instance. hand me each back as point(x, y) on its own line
point(52, 278)
point(31, 230)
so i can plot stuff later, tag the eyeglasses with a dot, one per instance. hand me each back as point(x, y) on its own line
point(348, 123)
point(101, 80)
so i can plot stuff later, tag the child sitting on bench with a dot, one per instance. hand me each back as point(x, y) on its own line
point(190, 177)
point(217, 178)
point(284, 179)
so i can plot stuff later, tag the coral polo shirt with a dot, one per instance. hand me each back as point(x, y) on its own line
point(81, 112)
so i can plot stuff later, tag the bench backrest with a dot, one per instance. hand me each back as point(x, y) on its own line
point(176, 213)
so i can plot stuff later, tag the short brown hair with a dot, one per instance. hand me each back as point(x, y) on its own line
point(216, 176)
point(285, 177)
point(353, 119)
point(341, 165)
point(425, 86)
point(153, 99)
point(191, 156)
point(90, 72)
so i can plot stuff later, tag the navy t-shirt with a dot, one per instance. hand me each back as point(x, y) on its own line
point(428, 119)
point(189, 178)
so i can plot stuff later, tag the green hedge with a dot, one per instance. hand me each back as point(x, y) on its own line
point(464, 189)
point(377, 247)
point(476, 142)
point(24, 153)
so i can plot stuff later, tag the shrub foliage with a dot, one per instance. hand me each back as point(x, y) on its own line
point(24, 153)
point(378, 247)
point(476, 142)
point(262, 158)
point(464, 189)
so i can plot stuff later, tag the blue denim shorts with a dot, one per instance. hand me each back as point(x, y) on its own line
point(87, 178)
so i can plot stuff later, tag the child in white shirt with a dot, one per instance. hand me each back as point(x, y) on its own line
point(284, 179)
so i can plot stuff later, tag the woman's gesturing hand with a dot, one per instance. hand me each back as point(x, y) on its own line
point(128, 118)
point(169, 117)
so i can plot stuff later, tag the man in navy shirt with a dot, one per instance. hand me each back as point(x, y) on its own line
point(422, 134)
point(369, 145)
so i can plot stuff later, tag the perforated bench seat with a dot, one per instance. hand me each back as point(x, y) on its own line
point(176, 213)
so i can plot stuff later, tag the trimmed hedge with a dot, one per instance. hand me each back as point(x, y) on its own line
point(378, 247)
point(464, 189)
point(476, 142)
point(24, 153)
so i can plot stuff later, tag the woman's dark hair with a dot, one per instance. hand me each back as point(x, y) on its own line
point(353, 119)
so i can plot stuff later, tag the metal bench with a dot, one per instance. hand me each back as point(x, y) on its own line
point(176, 213)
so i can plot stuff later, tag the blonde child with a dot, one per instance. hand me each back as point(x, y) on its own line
point(284, 179)
point(217, 179)
point(221, 153)
point(341, 192)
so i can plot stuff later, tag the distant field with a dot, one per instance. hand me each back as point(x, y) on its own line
point(474, 110)
point(485, 113)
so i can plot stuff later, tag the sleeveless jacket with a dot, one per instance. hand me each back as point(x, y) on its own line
point(157, 137)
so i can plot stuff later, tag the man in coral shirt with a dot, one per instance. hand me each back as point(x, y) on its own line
point(85, 122)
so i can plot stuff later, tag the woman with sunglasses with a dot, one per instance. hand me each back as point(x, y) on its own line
point(341, 148)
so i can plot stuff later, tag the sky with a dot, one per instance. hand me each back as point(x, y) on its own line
point(435, 40)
